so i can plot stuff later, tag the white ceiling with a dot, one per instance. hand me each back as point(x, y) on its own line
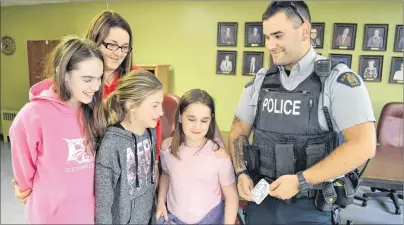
point(36, 2)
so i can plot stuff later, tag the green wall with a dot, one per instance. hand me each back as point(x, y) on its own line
point(183, 34)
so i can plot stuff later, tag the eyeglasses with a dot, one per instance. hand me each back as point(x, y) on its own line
point(292, 5)
point(114, 47)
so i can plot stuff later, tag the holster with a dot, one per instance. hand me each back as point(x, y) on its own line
point(323, 202)
point(345, 191)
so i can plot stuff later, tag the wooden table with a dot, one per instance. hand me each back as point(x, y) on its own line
point(385, 169)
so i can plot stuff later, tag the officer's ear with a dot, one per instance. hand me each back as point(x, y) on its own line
point(179, 119)
point(306, 31)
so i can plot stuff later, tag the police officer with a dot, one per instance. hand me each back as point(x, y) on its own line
point(295, 108)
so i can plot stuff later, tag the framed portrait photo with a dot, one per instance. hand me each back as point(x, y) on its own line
point(375, 37)
point(396, 70)
point(252, 62)
point(344, 36)
point(226, 62)
point(399, 39)
point(227, 33)
point(317, 35)
point(345, 58)
point(254, 36)
point(370, 67)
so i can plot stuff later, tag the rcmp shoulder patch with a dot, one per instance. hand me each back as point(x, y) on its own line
point(349, 79)
point(250, 82)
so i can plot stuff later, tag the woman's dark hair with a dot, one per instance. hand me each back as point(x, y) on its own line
point(99, 29)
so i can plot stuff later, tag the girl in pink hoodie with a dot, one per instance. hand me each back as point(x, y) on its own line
point(53, 137)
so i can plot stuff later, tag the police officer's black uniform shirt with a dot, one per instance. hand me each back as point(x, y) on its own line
point(346, 95)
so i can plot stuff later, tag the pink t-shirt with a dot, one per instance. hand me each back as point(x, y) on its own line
point(195, 181)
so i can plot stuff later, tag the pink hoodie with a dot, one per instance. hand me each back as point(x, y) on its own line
point(49, 157)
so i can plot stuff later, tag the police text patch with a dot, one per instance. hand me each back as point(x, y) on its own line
point(349, 79)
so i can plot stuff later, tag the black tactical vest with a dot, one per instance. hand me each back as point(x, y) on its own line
point(287, 133)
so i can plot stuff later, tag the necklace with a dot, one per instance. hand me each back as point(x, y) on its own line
point(204, 143)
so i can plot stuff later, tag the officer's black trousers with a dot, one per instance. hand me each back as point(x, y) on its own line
point(274, 211)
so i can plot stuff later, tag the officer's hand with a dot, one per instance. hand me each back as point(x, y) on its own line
point(285, 187)
point(23, 196)
point(245, 186)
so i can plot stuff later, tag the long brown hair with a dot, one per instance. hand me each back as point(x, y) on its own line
point(65, 57)
point(99, 29)
point(134, 86)
point(190, 97)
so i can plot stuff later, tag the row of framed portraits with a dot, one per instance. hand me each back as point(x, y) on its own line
point(227, 34)
point(226, 62)
point(344, 36)
point(370, 66)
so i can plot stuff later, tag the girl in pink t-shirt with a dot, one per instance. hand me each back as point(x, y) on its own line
point(196, 171)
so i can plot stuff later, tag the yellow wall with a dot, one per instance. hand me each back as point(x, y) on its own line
point(183, 34)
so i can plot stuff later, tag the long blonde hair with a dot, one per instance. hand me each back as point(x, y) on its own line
point(134, 86)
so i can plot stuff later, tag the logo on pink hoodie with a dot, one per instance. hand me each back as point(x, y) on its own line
point(78, 154)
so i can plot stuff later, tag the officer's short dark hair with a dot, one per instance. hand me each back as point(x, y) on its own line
point(292, 9)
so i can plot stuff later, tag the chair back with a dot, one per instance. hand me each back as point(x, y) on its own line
point(170, 105)
point(390, 125)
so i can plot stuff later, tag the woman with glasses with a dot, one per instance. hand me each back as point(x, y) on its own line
point(113, 36)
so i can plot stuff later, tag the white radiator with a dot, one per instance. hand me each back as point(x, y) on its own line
point(7, 117)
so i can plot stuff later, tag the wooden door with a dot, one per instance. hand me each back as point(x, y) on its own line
point(162, 72)
point(37, 53)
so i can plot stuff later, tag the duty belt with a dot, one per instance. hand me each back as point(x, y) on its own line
point(310, 194)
